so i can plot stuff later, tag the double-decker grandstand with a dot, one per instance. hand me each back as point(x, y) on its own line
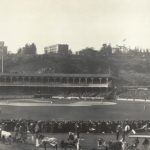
point(92, 86)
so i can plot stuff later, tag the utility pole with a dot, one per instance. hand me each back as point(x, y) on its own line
point(2, 62)
point(2, 57)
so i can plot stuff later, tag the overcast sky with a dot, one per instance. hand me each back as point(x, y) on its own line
point(80, 23)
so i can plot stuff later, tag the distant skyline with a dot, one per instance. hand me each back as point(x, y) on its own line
point(79, 23)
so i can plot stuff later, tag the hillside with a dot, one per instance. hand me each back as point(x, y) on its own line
point(128, 69)
point(55, 64)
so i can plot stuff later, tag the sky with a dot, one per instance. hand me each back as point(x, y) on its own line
point(79, 23)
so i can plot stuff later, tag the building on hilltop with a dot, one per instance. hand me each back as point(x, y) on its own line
point(57, 49)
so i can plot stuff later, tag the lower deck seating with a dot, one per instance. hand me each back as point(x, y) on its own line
point(57, 92)
point(136, 94)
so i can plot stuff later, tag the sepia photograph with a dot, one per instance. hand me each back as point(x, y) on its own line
point(74, 75)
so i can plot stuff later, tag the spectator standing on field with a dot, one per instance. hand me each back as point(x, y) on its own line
point(126, 130)
point(118, 130)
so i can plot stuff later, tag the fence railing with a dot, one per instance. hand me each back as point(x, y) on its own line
point(34, 84)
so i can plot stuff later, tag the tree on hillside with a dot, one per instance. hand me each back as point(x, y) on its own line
point(19, 51)
point(106, 50)
point(33, 48)
point(29, 49)
point(89, 51)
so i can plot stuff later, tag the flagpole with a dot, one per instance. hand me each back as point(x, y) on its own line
point(2, 57)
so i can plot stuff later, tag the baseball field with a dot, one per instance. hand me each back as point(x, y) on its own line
point(47, 110)
point(120, 110)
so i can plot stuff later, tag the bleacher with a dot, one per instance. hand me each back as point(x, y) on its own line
point(136, 94)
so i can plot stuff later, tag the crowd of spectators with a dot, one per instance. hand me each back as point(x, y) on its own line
point(53, 126)
point(37, 127)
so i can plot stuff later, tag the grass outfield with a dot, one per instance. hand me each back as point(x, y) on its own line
point(122, 110)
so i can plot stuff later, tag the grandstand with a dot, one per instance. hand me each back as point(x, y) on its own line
point(85, 86)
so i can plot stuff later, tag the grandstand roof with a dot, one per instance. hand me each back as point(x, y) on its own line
point(56, 75)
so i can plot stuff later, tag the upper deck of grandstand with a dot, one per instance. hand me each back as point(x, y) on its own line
point(56, 80)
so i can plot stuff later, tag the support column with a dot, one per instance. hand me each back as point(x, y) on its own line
point(79, 80)
point(73, 80)
point(29, 78)
point(100, 80)
point(48, 79)
point(37, 80)
point(5, 79)
point(92, 79)
point(54, 79)
point(10, 79)
point(34, 79)
point(106, 80)
point(67, 79)
point(60, 80)
point(85, 80)
point(23, 79)
point(17, 79)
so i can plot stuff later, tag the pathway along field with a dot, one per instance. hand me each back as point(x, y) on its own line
point(122, 110)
